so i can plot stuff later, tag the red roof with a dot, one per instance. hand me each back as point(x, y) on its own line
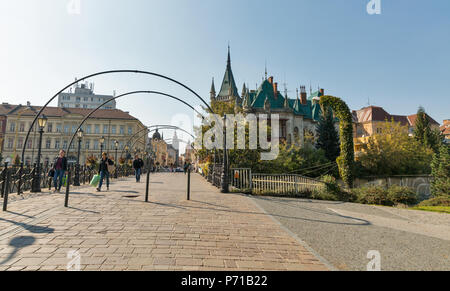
point(412, 120)
point(9, 109)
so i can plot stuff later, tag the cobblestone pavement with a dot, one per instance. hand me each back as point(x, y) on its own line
point(110, 231)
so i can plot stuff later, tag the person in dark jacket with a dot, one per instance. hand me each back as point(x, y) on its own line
point(60, 168)
point(103, 170)
point(137, 165)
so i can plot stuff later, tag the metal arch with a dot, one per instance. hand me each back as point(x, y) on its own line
point(122, 95)
point(157, 127)
point(104, 73)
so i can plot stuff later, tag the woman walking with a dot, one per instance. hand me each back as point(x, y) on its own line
point(60, 168)
point(103, 170)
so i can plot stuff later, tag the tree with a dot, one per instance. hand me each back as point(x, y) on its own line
point(347, 157)
point(328, 137)
point(423, 133)
point(440, 170)
point(394, 152)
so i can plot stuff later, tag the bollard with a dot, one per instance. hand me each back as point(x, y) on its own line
point(66, 200)
point(189, 184)
point(147, 185)
point(5, 189)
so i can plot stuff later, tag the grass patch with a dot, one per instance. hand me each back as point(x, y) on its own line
point(441, 209)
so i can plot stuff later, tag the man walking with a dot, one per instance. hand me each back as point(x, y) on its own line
point(138, 163)
point(60, 167)
point(104, 172)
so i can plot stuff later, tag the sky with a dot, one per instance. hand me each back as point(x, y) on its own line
point(398, 59)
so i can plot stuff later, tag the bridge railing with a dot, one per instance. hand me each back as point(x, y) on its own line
point(242, 179)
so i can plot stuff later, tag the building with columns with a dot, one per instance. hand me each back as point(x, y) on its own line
point(298, 116)
point(111, 124)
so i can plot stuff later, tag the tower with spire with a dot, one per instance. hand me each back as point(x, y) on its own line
point(228, 91)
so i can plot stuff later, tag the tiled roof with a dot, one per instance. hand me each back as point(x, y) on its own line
point(10, 109)
point(412, 120)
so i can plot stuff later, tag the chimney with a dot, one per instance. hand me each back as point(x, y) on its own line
point(275, 90)
point(303, 95)
point(270, 80)
point(322, 92)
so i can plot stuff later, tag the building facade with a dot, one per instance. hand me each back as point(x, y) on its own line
point(370, 120)
point(298, 116)
point(445, 129)
point(111, 124)
point(83, 97)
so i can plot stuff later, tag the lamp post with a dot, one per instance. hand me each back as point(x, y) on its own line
point(76, 180)
point(224, 177)
point(102, 141)
point(36, 183)
point(127, 148)
point(116, 147)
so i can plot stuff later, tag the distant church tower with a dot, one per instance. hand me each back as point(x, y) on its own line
point(228, 91)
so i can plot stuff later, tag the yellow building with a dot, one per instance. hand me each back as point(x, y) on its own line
point(370, 120)
point(159, 147)
point(113, 125)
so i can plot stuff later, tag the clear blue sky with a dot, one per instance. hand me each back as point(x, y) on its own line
point(399, 59)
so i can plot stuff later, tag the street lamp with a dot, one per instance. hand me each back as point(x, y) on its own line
point(224, 177)
point(102, 141)
point(116, 147)
point(76, 180)
point(36, 183)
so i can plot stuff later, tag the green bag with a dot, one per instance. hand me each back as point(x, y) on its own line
point(95, 180)
point(64, 181)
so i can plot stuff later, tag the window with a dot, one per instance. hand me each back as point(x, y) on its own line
point(48, 143)
point(85, 106)
point(130, 130)
point(65, 144)
point(12, 126)
point(121, 145)
point(95, 144)
point(87, 144)
point(20, 143)
point(78, 99)
point(29, 144)
point(22, 127)
point(88, 129)
point(97, 129)
point(66, 128)
point(122, 129)
point(74, 128)
point(86, 99)
point(50, 127)
point(58, 128)
point(77, 106)
point(113, 129)
point(105, 129)
point(10, 143)
point(57, 144)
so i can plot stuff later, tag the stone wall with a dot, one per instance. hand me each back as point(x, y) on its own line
point(420, 184)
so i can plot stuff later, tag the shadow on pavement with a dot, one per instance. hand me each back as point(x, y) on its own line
point(18, 243)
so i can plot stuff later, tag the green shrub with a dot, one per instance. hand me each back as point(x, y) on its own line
point(401, 195)
point(437, 201)
point(373, 195)
point(331, 191)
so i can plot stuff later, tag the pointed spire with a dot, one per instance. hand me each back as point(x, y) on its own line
point(213, 88)
point(244, 88)
point(229, 55)
point(228, 91)
point(265, 70)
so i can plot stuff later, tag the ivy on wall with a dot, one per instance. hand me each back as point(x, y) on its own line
point(346, 160)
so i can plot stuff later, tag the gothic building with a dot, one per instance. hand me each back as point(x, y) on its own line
point(298, 116)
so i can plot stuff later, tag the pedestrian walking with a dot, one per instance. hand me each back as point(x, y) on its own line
point(60, 168)
point(138, 163)
point(104, 172)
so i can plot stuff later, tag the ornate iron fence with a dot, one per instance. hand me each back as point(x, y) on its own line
point(13, 179)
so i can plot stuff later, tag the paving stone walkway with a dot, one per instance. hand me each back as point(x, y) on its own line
point(212, 231)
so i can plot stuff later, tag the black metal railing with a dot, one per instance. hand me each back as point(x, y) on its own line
point(17, 180)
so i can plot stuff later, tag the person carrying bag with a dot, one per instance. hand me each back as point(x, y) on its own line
point(104, 172)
